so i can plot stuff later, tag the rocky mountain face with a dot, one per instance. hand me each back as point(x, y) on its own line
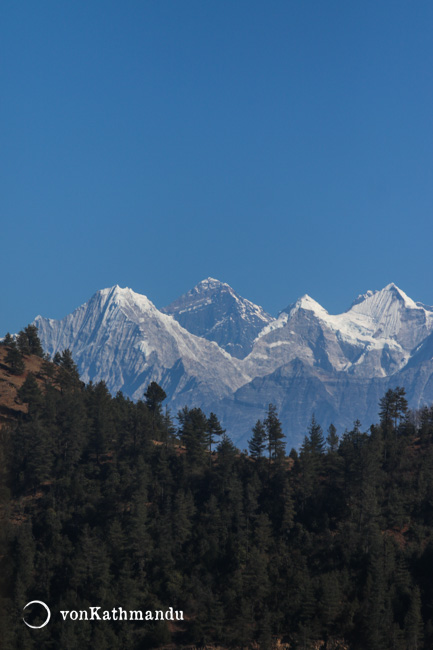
point(214, 349)
point(120, 337)
point(215, 312)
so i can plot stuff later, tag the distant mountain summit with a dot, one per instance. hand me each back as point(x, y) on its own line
point(375, 337)
point(119, 336)
point(214, 349)
point(214, 311)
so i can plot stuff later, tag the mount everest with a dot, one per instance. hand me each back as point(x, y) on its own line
point(214, 349)
point(214, 311)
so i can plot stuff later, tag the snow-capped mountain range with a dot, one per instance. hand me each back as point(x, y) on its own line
point(217, 313)
point(214, 349)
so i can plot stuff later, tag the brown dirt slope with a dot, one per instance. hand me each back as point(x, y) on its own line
point(10, 404)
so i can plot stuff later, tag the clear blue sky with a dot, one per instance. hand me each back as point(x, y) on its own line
point(285, 147)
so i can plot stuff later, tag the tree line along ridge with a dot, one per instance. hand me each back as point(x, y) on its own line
point(106, 501)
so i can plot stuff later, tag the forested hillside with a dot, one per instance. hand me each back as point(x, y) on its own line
point(106, 502)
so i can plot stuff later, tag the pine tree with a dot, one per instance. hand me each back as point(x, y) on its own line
point(68, 377)
point(30, 394)
point(8, 340)
point(14, 359)
point(48, 368)
point(168, 428)
point(288, 509)
point(23, 342)
point(274, 434)
point(332, 439)
point(393, 408)
point(33, 454)
point(28, 341)
point(101, 415)
point(71, 427)
point(155, 395)
point(316, 442)
point(214, 428)
point(311, 461)
point(193, 433)
point(227, 452)
point(257, 444)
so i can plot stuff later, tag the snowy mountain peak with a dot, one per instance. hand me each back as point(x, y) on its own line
point(210, 284)
point(119, 293)
point(400, 295)
point(213, 310)
point(120, 337)
point(376, 304)
point(306, 359)
point(125, 299)
point(387, 294)
point(307, 303)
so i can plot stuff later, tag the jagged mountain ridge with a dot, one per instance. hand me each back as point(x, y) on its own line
point(120, 337)
point(303, 361)
point(376, 336)
point(214, 311)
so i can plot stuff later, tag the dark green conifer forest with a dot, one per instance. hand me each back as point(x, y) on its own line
point(113, 503)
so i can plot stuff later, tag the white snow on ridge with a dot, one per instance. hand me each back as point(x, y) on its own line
point(209, 283)
point(376, 316)
point(386, 320)
point(281, 321)
point(377, 303)
point(246, 307)
point(375, 337)
point(308, 304)
point(128, 299)
point(119, 333)
point(119, 336)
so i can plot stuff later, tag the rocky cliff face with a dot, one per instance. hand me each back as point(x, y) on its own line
point(120, 337)
point(214, 349)
point(215, 312)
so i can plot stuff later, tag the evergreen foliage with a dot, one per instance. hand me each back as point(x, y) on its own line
point(14, 359)
point(8, 339)
point(68, 377)
point(274, 434)
point(393, 408)
point(322, 549)
point(28, 341)
point(193, 433)
point(154, 395)
point(214, 428)
point(30, 394)
point(332, 439)
point(257, 444)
